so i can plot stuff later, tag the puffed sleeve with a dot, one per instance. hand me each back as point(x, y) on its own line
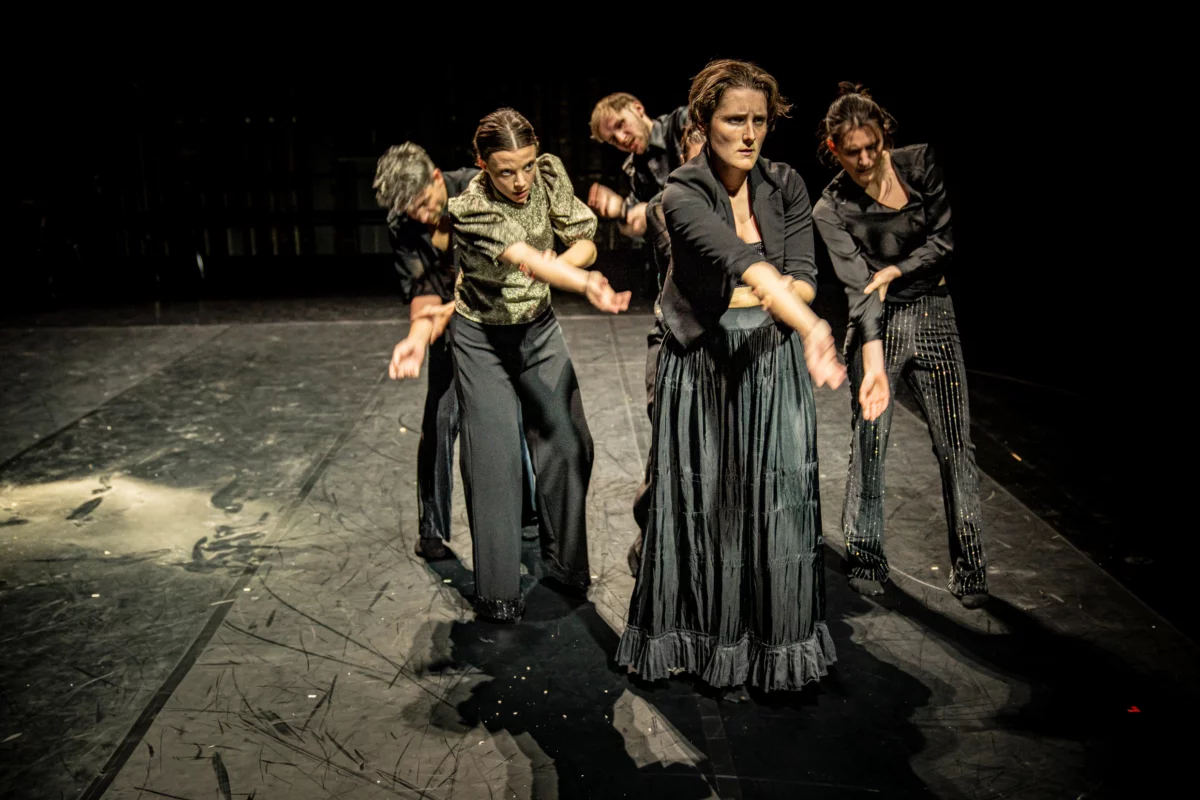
point(480, 224)
point(939, 241)
point(866, 310)
point(798, 259)
point(570, 217)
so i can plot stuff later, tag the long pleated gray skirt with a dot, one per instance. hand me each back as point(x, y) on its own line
point(731, 583)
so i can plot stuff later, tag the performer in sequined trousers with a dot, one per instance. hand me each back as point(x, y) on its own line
point(886, 222)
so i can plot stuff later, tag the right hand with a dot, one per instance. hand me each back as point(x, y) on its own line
point(601, 295)
point(407, 358)
point(874, 394)
point(605, 202)
point(820, 353)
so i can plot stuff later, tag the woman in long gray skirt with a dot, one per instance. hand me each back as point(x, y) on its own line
point(730, 585)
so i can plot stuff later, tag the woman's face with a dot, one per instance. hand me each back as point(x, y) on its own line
point(738, 128)
point(511, 172)
point(859, 152)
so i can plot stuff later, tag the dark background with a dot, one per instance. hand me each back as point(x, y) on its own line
point(130, 168)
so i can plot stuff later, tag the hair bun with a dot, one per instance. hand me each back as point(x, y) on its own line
point(846, 87)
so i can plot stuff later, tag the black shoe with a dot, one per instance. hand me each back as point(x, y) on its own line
point(973, 600)
point(506, 611)
point(868, 587)
point(433, 549)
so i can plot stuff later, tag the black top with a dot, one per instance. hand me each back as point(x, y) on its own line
point(658, 237)
point(648, 172)
point(422, 267)
point(708, 258)
point(864, 237)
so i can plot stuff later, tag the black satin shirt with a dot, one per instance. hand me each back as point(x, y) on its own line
point(424, 269)
point(648, 171)
point(864, 237)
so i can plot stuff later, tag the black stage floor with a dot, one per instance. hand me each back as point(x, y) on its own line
point(208, 590)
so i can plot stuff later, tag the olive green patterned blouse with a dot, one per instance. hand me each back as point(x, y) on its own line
point(486, 224)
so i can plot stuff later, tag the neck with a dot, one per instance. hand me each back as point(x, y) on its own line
point(732, 178)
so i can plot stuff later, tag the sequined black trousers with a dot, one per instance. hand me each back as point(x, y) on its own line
point(920, 345)
point(503, 370)
point(435, 453)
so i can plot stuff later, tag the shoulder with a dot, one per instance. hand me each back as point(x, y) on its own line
point(551, 166)
point(457, 179)
point(825, 209)
point(693, 182)
point(835, 192)
point(912, 157)
point(675, 120)
point(782, 176)
point(473, 200)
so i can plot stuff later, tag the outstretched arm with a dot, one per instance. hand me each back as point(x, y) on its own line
point(565, 273)
point(784, 304)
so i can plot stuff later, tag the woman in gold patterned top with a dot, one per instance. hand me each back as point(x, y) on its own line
point(509, 353)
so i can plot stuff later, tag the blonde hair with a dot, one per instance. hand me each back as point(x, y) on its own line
point(614, 103)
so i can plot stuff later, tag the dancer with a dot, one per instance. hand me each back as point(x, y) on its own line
point(691, 143)
point(510, 355)
point(885, 219)
point(415, 193)
point(654, 148)
point(730, 585)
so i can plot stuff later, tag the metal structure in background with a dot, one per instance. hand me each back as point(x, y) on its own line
point(194, 196)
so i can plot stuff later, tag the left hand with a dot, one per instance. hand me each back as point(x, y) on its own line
point(880, 281)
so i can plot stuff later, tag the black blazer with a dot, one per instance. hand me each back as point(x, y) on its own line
point(708, 258)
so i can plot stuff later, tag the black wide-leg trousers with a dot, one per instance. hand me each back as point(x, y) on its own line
point(505, 371)
point(435, 454)
point(922, 346)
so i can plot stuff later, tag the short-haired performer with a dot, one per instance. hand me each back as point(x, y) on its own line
point(415, 193)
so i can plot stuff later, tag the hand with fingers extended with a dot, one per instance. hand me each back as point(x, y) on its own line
point(820, 353)
point(874, 394)
point(880, 281)
point(601, 295)
point(605, 202)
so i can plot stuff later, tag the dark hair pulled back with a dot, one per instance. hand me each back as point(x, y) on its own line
point(853, 108)
point(503, 129)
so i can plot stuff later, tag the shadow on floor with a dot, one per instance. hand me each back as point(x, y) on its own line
point(552, 683)
point(1073, 695)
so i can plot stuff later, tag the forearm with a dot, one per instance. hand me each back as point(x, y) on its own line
point(557, 272)
point(421, 303)
point(785, 304)
point(582, 254)
point(804, 292)
point(420, 331)
point(872, 353)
